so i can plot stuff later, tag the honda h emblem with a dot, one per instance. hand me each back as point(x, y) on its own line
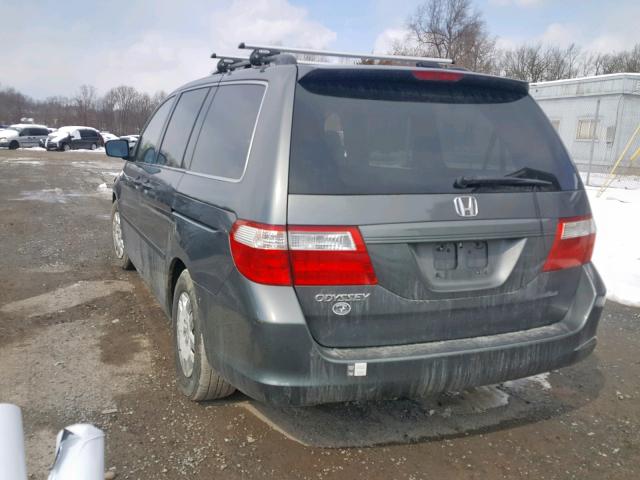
point(466, 206)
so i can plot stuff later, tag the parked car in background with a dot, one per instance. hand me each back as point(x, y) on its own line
point(73, 138)
point(106, 136)
point(22, 135)
point(132, 139)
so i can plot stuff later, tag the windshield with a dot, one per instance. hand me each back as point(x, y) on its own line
point(375, 136)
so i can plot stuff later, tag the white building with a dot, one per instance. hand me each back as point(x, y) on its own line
point(571, 106)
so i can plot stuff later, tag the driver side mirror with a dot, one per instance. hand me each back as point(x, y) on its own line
point(117, 148)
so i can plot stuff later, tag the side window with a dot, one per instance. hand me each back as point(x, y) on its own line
point(225, 136)
point(84, 134)
point(180, 126)
point(148, 142)
point(25, 132)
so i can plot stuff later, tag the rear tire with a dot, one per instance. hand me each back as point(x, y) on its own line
point(196, 379)
point(93, 146)
point(14, 145)
point(119, 251)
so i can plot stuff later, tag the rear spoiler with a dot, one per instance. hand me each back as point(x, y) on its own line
point(437, 85)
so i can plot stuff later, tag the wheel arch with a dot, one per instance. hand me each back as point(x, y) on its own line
point(176, 267)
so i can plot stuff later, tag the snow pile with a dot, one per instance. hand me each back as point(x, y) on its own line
point(103, 188)
point(86, 150)
point(617, 251)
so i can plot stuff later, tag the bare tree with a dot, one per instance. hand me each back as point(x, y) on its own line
point(450, 29)
point(526, 62)
point(85, 101)
point(536, 63)
point(562, 62)
point(121, 110)
point(13, 105)
point(626, 61)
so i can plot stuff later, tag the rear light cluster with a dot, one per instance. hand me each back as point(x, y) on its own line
point(301, 255)
point(573, 244)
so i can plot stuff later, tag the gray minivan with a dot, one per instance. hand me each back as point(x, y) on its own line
point(22, 135)
point(322, 233)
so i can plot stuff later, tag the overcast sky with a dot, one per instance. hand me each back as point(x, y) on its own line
point(51, 48)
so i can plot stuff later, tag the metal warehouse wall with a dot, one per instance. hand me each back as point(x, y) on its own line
point(568, 102)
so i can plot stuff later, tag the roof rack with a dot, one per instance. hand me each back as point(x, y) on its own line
point(266, 54)
point(262, 54)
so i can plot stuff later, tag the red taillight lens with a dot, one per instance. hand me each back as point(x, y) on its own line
point(260, 252)
point(573, 244)
point(329, 256)
point(301, 255)
point(437, 76)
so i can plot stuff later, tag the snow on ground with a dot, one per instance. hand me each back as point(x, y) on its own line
point(97, 150)
point(104, 188)
point(23, 161)
point(40, 149)
point(617, 250)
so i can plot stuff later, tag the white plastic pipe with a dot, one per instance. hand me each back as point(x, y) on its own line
point(79, 453)
point(12, 458)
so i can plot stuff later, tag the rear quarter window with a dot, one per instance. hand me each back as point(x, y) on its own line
point(225, 135)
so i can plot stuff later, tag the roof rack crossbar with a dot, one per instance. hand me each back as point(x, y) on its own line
point(228, 63)
point(270, 50)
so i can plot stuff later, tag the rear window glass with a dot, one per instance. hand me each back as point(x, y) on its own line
point(375, 135)
point(225, 136)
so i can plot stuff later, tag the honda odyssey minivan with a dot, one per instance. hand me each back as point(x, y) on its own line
point(327, 232)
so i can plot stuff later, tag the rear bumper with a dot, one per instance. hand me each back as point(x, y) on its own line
point(280, 363)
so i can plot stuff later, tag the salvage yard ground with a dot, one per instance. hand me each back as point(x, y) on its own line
point(83, 341)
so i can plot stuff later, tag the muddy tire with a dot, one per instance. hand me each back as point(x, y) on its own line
point(119, 251)
point(14, 145)
point(196, 379)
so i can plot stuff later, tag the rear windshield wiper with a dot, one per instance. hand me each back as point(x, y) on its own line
point(466, 182)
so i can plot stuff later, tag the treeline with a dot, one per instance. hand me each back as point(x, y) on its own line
point(454, 29)
point(122, 110)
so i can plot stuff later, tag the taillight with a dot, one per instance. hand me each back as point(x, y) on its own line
point(301, 255)
point(329, 256)
point(260, 252)
point(437, 76)
point(573, 244)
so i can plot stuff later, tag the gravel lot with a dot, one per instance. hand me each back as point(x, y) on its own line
point(83, 341)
